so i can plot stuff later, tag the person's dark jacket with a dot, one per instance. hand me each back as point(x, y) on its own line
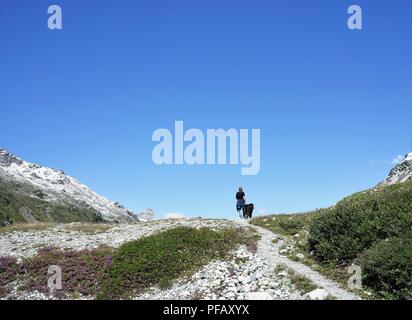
point(240, 195)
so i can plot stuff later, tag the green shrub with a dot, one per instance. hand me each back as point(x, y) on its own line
point(160, 258)
point(359, 221)
point(291, 226)
point(387, 268)
point(303, 284)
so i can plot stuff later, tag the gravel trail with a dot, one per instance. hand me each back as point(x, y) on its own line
point(270, 251)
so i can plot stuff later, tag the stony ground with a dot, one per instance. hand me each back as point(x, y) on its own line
point(247, 275)
point(26, 243)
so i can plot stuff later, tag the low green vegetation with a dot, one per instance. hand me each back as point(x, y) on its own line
point(158, 259)
point(26, 227)
point(82, 271)
point(279, 268)
point(303, 284)
point(9, 271)
point(115, 273)
point(89, 228)
point(387, 267)
point(287, 224)
point(84, 227)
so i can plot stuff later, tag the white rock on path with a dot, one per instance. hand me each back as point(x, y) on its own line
point(318, 294)
point(300, 256)
point(258, 296)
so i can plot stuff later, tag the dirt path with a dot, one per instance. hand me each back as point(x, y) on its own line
point(270, 251)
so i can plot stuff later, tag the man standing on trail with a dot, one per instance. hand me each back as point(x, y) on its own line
point(240, 197)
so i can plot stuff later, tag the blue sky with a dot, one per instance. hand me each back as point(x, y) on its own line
point(333, 105)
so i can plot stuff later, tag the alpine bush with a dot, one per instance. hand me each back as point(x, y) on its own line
point(359, 221)
point(387, 268)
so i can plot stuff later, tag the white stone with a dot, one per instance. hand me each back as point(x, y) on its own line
point(300, 256)
point(283, 274)
point(318, 294)
point(283, 251)
point(258, 296)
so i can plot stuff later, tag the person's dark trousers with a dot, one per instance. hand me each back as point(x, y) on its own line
point(239, 206)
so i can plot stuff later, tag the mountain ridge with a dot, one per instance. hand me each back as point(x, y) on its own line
point(400, 173)
point(52, 186)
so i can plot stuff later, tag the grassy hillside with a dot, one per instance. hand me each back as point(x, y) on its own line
point(21, 203)
point(372, 229)
point(288, 224)
point(361, 220)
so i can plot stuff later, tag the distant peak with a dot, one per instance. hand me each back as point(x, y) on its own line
point(7, 158)
point(55, 186)
point(401, 172)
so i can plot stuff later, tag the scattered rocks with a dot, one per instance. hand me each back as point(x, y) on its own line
point(251, 279)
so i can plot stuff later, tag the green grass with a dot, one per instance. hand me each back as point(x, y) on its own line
point(301, 283)
point(89, 228)
point(279, 268)
point(287, 224)
point(161, 258)
point(26, 227)
point(84, 227)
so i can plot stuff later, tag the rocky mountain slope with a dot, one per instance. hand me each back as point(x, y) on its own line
point(400, 173)
point(30, 193)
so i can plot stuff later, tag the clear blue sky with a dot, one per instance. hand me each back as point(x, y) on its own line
point(333, 105)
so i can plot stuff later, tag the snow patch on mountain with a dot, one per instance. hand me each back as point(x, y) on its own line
point(55, 185)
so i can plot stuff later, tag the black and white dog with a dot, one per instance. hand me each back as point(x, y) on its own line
point(248, 210)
